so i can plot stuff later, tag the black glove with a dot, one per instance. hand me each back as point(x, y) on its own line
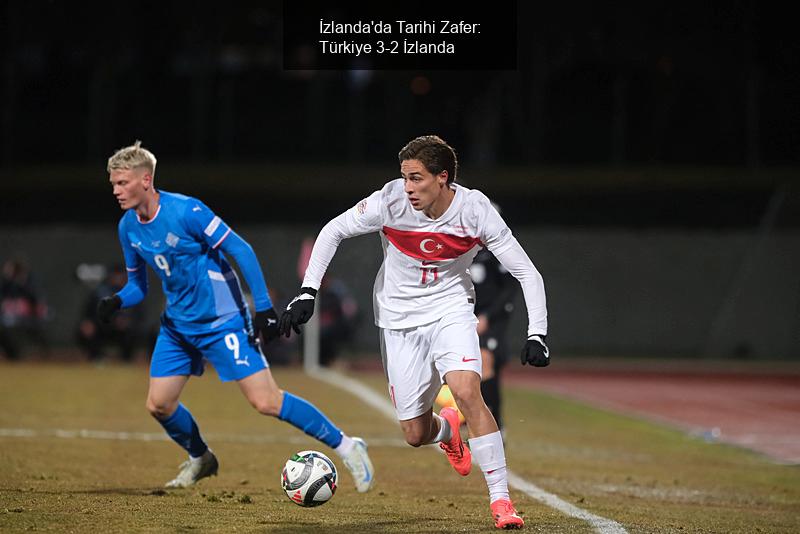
point(266, 325)
point(536, 352)
point(298, 312)
point(107, 306)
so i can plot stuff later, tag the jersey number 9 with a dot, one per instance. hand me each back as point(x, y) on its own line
point(162, 264)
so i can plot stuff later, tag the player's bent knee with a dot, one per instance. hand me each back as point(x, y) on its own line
point(415, 441)
point(267, 405)
point(160, 410)
point(416, 437)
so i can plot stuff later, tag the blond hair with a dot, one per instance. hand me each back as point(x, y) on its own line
point(132, 157)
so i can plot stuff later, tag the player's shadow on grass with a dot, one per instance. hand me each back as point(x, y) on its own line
point(367, 525)
point(145, 492)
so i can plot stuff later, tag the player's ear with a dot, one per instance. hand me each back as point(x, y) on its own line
point(442, 177)
point(147, 181)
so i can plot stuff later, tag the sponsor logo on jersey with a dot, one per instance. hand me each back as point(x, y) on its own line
point(155, 244)
point(361, 207)
point(172, 239)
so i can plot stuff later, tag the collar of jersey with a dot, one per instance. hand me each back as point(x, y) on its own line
point(452, 208)
point(151, 220)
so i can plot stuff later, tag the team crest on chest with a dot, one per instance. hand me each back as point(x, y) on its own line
point(172, 239)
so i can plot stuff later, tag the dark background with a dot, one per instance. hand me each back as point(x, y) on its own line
point(631, 142)
point(645, 89)
point(712, 83)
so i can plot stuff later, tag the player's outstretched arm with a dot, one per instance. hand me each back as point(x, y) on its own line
point(363, 218)
point(516, 261)
point(266, 319)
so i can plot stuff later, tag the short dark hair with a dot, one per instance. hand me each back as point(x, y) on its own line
point(434, 153)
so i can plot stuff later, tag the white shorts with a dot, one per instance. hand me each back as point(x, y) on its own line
point(417, 359)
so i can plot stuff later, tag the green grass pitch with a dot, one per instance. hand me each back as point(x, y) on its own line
point(643, 476)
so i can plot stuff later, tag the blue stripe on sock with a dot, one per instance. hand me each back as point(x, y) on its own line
point(183, 429)
point(305, 416)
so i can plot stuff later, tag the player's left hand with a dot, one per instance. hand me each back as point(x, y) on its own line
point(266, 325)
point(536, 352)
point(107, 306)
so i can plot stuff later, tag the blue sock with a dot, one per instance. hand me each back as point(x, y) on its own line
point(182, 428)
point(305, 416)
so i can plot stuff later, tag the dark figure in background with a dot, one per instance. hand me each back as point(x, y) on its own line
point(495, 289)
point(338, 315)
point(121, 331)
point(23, 310)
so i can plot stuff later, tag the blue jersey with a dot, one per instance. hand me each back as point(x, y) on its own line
point(181, 243)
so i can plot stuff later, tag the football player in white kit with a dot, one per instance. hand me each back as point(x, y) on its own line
point(431, 229)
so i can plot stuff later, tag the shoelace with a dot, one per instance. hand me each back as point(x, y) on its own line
point(506, 509)
point(453, 451)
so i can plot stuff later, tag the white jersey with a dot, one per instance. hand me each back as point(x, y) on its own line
point(425, 271)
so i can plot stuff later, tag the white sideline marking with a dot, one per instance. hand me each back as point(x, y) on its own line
point(368, 395)
point(160, 436)
point(600, 524)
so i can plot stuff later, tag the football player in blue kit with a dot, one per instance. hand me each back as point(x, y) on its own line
point(206, 316)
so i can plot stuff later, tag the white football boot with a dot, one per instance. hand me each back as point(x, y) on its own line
point(193, 470)
point(360, 466)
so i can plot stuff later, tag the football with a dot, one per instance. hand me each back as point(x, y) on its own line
point(309, 478)
point(445, 400)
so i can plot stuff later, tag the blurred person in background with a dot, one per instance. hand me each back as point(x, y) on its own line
point(23, 309)
point(495, 289)
point(431, 229)
point(206, 317)
point(124, 330)
point(338, 317)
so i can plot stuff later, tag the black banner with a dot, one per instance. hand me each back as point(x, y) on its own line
point(442, 35)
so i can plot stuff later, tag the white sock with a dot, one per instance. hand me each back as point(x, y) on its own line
point(490, 455)
point(445, 432)
point(199, 458)
point(344, 448)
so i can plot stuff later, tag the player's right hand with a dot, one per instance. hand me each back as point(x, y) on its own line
point(298, 312)
point(107, 306)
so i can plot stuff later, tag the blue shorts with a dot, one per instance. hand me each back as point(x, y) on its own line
point(230, 350)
